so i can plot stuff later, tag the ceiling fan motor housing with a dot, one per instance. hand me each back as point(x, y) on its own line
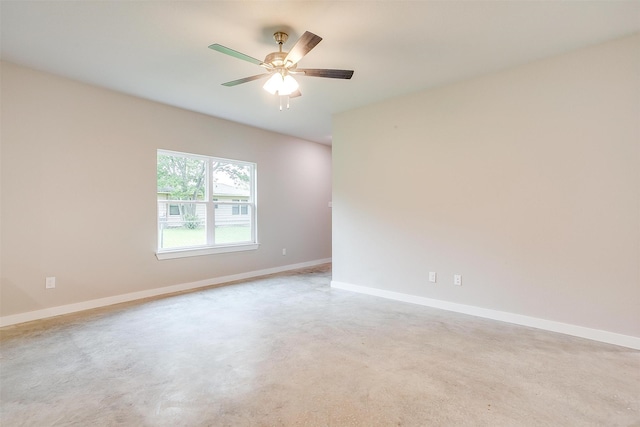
point(277, 60)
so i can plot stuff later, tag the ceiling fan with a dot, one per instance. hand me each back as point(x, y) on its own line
point(282, 66)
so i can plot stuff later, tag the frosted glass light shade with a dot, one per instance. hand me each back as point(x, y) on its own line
point(274, 83)
point(289, 85)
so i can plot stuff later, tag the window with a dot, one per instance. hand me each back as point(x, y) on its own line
point(205, 205)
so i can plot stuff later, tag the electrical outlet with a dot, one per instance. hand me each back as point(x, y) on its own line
point(432, 276)
point(50, 283)
point(457, 279)
point(284, 251)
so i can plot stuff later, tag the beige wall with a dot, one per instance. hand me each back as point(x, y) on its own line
point(524, 181)
point(79, 192)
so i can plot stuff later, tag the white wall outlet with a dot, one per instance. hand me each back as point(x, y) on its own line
point(457, 279)
point(432, 276)
point(284, 251)
point(50, 283)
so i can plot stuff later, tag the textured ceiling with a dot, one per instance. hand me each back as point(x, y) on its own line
point(158, 49)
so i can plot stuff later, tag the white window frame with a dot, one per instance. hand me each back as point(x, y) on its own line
point(210, 247)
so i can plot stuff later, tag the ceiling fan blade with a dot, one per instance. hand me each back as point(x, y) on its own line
point(235, 54)
point(245, 80)
point(295, 94)
point(304, 44)
point(321, 72)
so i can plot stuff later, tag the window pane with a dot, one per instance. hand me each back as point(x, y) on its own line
point(181, 177)
point(183, 230)
point(232, 228)
point(231, 181)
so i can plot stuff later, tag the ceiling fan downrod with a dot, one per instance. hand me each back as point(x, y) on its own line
point(277, 59)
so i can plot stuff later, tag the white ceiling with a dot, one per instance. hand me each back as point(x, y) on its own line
point(158, 49)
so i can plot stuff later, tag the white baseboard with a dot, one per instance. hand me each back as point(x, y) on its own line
point(102, 302)
point(548, 325)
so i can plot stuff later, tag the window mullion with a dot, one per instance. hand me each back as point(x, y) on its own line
point(211, 229)
point(252, 207)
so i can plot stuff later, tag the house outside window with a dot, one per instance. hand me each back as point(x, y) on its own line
point(205, 205)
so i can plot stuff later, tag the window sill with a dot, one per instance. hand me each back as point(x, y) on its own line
point(184, 253)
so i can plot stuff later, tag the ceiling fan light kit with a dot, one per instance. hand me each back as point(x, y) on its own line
point(281, 65)
point(284, 86)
